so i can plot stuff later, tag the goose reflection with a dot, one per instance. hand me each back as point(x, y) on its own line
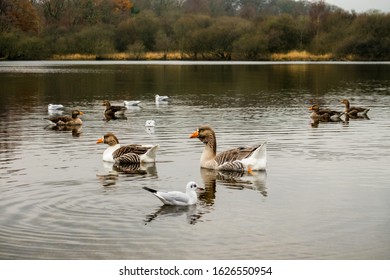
point(76, 130)
point(190, 212)
point(108, 118)
point(256, 180)
point(135, 169)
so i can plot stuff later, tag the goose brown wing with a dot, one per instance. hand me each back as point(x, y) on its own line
point(234, 154)
point(117, 108)
point(134, 149)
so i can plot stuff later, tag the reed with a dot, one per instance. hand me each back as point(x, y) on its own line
point(300, 56)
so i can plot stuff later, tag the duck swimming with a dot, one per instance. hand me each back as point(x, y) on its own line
point(111, 111)
point(134, 153)
point(67, 120)
point(324, 114)
point(354, 111)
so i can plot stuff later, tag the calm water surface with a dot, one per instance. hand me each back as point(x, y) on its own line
point(325, 195)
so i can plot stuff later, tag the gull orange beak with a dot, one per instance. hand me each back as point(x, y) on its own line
point(100, 140)
point(194, 135)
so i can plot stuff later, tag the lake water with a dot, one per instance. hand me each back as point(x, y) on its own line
point(325, 194)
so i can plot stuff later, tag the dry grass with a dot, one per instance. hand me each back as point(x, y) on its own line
point(290, 56)
point(300, 56)
point(75, 56)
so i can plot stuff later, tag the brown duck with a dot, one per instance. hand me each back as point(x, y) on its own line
point(67, 120)
point(324, 114)
point(111, 111)
point(354, 111)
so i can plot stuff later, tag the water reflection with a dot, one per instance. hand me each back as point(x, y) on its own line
point(236, 180)
point(190, 212)
point(134, 169)
point(344, 120)
point(76, 130)
point(256, 180)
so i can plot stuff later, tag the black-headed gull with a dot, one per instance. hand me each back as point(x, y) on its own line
point(131, 103)
point(54, 107)
point(162, 98)
point(150, 123)
point(177, 198)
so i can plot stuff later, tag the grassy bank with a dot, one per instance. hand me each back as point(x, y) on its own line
point(290, 56)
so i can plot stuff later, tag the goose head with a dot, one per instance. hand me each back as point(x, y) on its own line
point(109, 139)
point(76, 113)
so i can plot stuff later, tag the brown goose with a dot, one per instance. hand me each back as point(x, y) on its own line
point(134, 153)
point(67, 120)
point(354, 111)
point(238, 159)
point(111, 111)
point(324, 114)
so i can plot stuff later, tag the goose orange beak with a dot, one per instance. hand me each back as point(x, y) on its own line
point(100, 140)
point(194, 135)
point(81, 113)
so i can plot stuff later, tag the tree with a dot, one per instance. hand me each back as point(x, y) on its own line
point(19, 14)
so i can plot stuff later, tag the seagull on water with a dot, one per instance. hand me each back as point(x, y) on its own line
point(177, 198)
point(161, 98)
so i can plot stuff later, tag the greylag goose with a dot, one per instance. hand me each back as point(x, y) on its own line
point(67, 120)
point(324, 114)
point(134, 153)
point(176, 198)
point(353, 111)
point(111, 111)
point(237, 159)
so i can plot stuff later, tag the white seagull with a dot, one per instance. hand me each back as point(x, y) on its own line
point(131, 103)
point(176, 198)
point(52, 107)
point(150, 123)
point(162, 98)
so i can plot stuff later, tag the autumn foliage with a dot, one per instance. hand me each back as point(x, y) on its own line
point(193, 29)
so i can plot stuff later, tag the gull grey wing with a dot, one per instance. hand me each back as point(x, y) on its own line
point(174, 197)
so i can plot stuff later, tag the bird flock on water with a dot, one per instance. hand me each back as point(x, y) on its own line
point(242, 159)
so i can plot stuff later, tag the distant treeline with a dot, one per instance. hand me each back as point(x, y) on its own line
point(195, 29)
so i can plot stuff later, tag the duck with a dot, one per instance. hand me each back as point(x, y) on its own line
point(111, 111)
point(177, 198)
point(67, 120)
point(160, 98)
point(134, 153)
point(354, 111)
point(324, 114)
point(131, 103)
point(237, 159)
